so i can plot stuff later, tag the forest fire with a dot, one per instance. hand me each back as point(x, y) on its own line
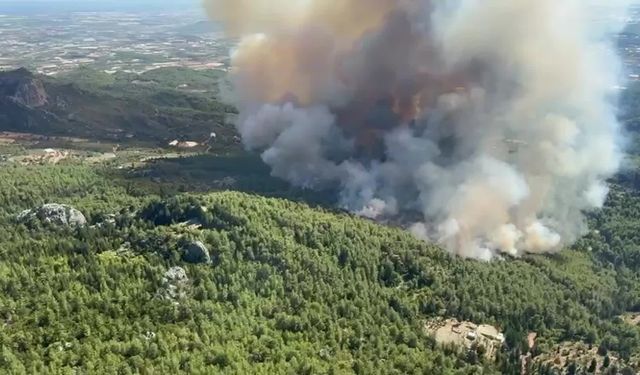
point(404, 105)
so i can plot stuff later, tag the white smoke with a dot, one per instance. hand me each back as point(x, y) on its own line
point(493, 119)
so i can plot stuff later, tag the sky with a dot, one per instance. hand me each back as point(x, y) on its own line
point(104, 2)
point(30, 6)
point(58, 6)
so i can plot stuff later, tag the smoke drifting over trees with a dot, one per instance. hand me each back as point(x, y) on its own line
point(493, 119)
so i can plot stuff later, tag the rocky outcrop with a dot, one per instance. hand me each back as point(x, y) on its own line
point(23, 88)
point(175, 284)
point(55, 214)
point(196, 252)
point(31, 93)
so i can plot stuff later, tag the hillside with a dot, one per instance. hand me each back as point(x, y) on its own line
point(201, 262)
point(288, 289)
point(155, 107)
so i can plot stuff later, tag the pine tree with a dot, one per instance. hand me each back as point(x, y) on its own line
point(593, 366)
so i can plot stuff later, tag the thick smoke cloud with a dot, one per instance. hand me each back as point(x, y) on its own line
point(494, 120)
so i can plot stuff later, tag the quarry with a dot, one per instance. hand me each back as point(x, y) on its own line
point(467, 335)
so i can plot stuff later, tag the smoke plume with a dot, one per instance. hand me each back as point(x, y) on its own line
point(494, 120)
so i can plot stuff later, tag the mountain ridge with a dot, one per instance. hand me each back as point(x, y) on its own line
point(50, 106)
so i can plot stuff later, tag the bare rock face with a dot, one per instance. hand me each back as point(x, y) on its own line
point(23, 87)
point(175, 284)
point(196, 252)
point(31, 93)
point(56, 214)
point(175, 275)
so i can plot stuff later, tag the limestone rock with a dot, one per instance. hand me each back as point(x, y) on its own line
point(175, 284)
point(56, 214)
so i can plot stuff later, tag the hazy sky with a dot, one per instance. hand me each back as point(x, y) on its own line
point(61, 6)
point(119, 2)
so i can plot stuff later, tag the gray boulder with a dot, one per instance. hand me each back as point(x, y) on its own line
point(175, 275)
point(175, 284)
point(56, 214)
point(196, 252)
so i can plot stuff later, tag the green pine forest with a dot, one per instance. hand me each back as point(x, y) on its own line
point(293, 286)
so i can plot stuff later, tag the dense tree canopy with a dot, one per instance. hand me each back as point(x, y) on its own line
point(290, 289)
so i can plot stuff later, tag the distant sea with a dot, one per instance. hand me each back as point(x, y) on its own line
point(32, 7)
